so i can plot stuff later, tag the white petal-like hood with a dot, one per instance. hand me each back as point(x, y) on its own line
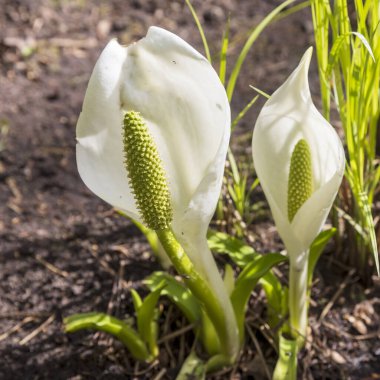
point(287, 117)
point(185, 107)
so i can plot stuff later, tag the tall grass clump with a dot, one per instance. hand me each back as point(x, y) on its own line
point(347, 36)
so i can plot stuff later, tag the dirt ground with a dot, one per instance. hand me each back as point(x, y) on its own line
point(63, 250)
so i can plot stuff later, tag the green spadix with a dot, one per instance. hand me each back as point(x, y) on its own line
point(300, 185)
point(146, 173)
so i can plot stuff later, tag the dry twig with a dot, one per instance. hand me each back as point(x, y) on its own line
point(259, 351)
point(330, 304)
point(38, 330)
point(51, 267)
point(15, 328)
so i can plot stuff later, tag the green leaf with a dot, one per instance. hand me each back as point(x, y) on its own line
point(229, 278)
point(295, 8)
point(190, 307)
point(146, 319)
point(286, 367)
point(218, 362)
point(193, 368)
point(223, 53)
point(177, 293)
point(339, 43)
point(200, 29)
point(137, 301)
point(208, 335)
point(234, 167)
point(275, 294)
point(111, 325)
point(261, 92)
point(237, 250)
point(243, 112)
point(316, 250)
point(365, 43)
point(244, 255)
point(366, 207)
point(246, 282)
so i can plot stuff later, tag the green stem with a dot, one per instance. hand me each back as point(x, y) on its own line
point(286, 367)
point(298, 303)
point(154, 243)
point(204, 293)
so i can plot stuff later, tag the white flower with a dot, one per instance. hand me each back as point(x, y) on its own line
point(287, 118)
point(186, 111)
point(185, 108)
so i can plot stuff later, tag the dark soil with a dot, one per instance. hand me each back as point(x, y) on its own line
point(62, 250)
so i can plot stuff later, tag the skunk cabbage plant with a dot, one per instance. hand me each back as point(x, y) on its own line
point(152, 140)
point(300, 161)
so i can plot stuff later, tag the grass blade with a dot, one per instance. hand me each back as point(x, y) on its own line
point(200, 29)
point(251, 39)
point(243, 112)
point(261, 92)
point(223, 54)
point(366, 207)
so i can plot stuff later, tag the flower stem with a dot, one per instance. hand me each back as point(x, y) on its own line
point(286, 367)
point(201, 289)
point(298, 304)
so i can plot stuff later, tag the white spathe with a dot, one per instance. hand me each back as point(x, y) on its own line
point(186, 110)
point(288, 116)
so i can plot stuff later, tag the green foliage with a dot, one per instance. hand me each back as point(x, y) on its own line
point(349, 69)
point(256, 268)
point(147, 315)
point(229, 278)
point(237, 188)
point(316, 250)
point(190, 306)
point(137, 301)
point(177, 293)
point(276, 296)
point(200, 29)
point(111, 325)
point(141, 343)
point(192, 368)
point(243, 112)
point(245, 256)
point(223, 54)
point(247, 281)
point(238, 251)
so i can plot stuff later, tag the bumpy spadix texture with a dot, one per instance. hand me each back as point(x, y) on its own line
point(286, 119)
point(300, 186)
point(146, 173)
